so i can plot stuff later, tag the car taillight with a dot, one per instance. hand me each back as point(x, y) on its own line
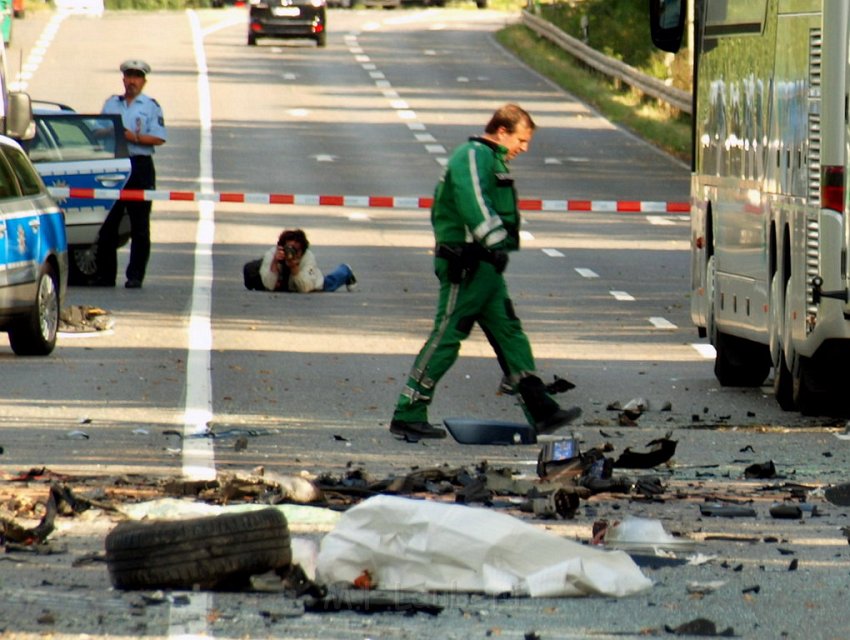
point(832, 188)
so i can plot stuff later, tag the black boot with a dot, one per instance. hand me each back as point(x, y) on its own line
point(543, 412)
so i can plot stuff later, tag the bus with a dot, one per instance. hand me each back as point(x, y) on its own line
point(769, 232)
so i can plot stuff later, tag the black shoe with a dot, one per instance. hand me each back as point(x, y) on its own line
point(560, 418)
point(415, 431)
point(133, 284)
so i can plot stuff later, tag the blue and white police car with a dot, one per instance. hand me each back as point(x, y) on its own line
point(33, 255)
point(75, 150)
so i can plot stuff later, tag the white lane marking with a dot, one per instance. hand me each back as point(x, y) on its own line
point(553, 253)
point(435, 148)
point(526, 235)
point(662, 323)
point(586, 273)
point(705, 350)
point(198, 453)
point(190, 621)
point(424, 137)
point(660, 221)
point(552, 161)
point(623, 296)
point(36, 55)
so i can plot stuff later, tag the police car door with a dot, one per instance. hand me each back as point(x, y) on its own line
point(19, 224)
point(81, 151)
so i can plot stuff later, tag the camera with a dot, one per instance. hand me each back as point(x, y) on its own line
point(290, 252)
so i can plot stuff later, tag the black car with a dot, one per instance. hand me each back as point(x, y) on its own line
point(288, 19)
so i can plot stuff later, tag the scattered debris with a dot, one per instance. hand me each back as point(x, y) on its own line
point(838, 494)
point(85, 319)
point(660, 451)
point(762, 470)
point(726, 511)
point(643, 534)
point(700, 627)
point(370, 602)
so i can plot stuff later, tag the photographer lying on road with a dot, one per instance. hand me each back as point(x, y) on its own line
point(291, 266)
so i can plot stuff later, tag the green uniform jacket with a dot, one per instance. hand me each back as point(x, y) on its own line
point(475, 200)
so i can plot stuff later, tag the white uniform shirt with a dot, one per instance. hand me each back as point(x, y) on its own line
point(142, 116)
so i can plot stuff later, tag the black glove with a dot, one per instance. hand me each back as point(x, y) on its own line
point(499, 260)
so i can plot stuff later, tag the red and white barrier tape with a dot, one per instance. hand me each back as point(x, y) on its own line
point(377, 202)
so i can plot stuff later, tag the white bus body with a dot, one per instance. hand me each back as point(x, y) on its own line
point(769, 229)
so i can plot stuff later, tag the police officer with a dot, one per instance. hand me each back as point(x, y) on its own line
point(476, 223)
point(144, 129)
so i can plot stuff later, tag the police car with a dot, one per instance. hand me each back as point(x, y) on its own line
point(33, 255)
point(85, 151)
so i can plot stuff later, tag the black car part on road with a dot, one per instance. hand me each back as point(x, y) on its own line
point(215, 552)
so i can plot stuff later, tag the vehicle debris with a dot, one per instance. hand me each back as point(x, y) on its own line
point(660, 452)
point(85, 319)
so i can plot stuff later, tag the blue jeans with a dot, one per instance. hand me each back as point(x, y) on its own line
point(338, 277)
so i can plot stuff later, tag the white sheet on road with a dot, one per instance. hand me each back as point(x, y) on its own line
point(421, 545)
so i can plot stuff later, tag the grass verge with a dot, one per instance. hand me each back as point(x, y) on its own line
point(655, 123)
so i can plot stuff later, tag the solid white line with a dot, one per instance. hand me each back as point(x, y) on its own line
point(553, 253)
point(586, 273)
point(190, 621)
point(198, 453)
point(705, 350)
point(662, 323)
point(622, 296)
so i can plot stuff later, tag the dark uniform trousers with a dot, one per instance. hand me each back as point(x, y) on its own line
point(142, 176)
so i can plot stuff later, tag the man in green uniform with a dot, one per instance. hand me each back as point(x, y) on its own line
point(476, 223)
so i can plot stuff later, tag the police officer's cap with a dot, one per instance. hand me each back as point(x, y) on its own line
point(135, 65)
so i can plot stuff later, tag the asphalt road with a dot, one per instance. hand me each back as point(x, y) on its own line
point(603, 296)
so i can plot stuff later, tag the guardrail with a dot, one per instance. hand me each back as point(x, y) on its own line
point(652, 87)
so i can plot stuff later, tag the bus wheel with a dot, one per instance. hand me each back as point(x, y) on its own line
point(807, 400)
point(740, 362)
point(783, 385)
point(783, 389)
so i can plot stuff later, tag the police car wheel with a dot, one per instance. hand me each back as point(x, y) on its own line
point(35, 334)
point(210, 552)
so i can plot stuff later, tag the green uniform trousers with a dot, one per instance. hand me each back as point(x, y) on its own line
point(483, 298)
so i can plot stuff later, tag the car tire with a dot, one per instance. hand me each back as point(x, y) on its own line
point(35, 334)
point(252, 40)
point(322, 39)
point(215, 552)
point(83, 267)
point(481, 4)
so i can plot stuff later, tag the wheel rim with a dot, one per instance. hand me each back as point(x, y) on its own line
point(86, 260)
point(48, 308)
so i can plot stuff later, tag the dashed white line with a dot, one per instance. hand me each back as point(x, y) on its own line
point(623, 296)
point(553, 253)
point(662, 323)
point(705, 350)
point(586, 273)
